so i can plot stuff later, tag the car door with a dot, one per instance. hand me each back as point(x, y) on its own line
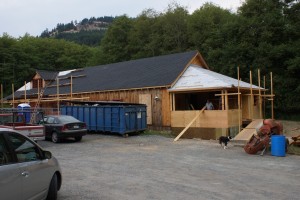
point(50, 125)
point(10, 174)
point(34, 170)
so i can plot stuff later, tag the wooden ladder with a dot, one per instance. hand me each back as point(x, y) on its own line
point(33, 114)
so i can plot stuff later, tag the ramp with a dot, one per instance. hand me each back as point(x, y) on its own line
point(247, 132)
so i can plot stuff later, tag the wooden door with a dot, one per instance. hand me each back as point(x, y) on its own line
point(147, 99)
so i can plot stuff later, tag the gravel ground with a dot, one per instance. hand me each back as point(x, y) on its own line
point(142, 167)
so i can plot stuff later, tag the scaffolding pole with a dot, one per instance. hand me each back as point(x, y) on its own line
point(239, 99)
point(272, 99)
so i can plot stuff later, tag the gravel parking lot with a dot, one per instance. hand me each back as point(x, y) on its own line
point(154, 167)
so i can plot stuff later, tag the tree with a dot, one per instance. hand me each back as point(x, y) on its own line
point(114, 45)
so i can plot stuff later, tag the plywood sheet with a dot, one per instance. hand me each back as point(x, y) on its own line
point(146, 99)
point(247, 132)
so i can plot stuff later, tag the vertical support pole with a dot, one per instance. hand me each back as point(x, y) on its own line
point(226, 100)
point(239, 99)
point(173, 101)
point(272, 98)
point(13, 95)
point(251, 96)
point(57, 90)
point(71, 89)
point(223, 100)
point(25, 92)
point(38, 89)
point(264, 97)
point(1, 95)
point(259, 95)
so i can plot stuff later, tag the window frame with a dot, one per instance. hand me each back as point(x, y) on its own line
point(6, 145)
point(13, 152)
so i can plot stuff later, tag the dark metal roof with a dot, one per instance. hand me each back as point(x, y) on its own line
point(47, 75)
point(147, 72)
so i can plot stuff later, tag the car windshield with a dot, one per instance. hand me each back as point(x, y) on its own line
point(67, 119)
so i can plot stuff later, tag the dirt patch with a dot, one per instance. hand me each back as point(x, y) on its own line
point(290, 128)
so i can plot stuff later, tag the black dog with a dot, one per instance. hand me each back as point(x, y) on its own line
point(224, 140)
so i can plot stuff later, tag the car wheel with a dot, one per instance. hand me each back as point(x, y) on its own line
point(52, 192)
point(78, 138)
point(54, 137)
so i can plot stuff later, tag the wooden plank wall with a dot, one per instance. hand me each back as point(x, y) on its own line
point(161, 116)
point(208, 119)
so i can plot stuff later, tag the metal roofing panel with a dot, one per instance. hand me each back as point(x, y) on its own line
point(196, 77)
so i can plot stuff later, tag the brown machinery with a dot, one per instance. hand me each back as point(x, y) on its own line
point(261, 141)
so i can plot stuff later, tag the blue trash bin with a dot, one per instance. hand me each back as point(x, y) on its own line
point(278, 145)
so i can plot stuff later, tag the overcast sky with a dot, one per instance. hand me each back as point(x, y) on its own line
point(18, 17)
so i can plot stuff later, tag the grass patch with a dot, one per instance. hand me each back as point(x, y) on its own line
point(167, 134)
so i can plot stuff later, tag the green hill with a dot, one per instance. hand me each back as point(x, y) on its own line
point(87, 32)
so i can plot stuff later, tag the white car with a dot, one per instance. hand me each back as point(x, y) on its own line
point(26, 170)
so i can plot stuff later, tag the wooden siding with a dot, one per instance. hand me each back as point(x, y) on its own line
point(247, 110)
point(146, 99)
point(160, 109)
point(208, 119)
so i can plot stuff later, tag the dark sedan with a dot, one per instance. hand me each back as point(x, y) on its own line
point(58, 127)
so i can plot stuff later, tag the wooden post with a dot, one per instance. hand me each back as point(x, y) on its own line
point(259, 96)
point(226, 100)
point(272, 99)
point(188, 126)
point(25, 92)
point(57, 90)
point(71, 88)
point(223, 100)
point(251, 96)
point(13, 94)
point(1, 96)
point(264, 97)
point(239, 99)
point(173, 101)
point(38, 89)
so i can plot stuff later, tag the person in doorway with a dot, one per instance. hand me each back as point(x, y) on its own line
point(209, 105)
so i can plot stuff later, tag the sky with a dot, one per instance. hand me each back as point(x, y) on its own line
point(18, 17)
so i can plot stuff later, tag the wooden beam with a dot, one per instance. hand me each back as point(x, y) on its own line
point(272, 102)
point(259, 92)
point(46, 99)
point(251, 96)
point(188, 126)
point(268, 95)
point(25, 92)
point(13, 95)
point(173, 102)
point(228, 94)
point(71, 89)
point(264, 98)
point(239, 100)
point(223, 100)
point(226, 100)
point(57, 90)
point(1, 96)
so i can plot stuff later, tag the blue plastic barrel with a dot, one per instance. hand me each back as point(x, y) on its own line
point(278, 145)
point(26, 111)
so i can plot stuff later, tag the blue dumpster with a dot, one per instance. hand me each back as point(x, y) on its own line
point(121, 118)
